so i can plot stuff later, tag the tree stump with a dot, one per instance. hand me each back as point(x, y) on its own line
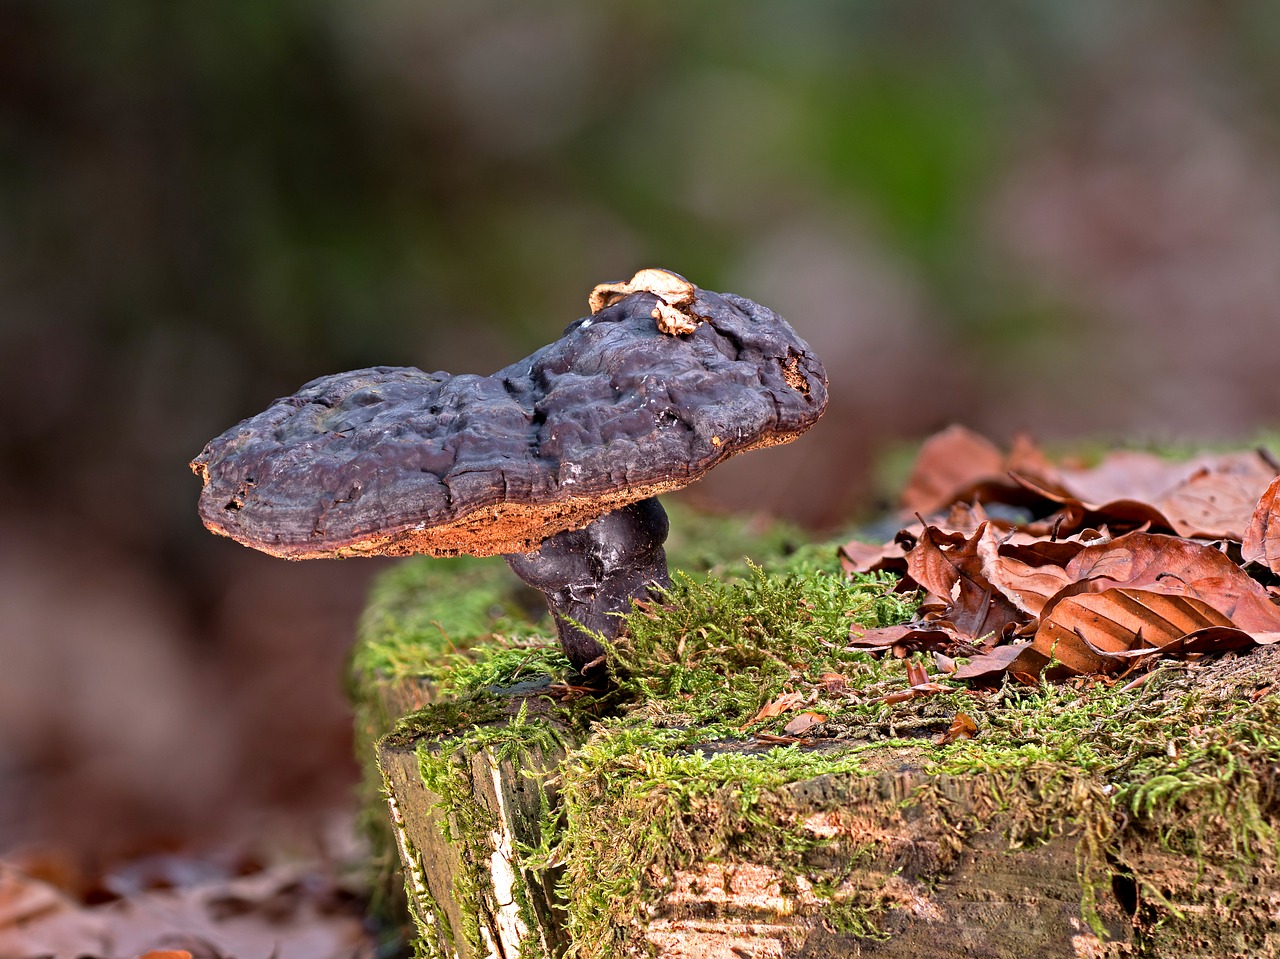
point(1077, 823)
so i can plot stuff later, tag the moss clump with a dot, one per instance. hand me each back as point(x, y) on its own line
point(715, 651)
point(447, 632)
point(410, 643)
point(425, 612)
point(407, 631)
point(1187, 760)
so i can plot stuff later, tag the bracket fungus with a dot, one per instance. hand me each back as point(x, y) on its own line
point(554, 462)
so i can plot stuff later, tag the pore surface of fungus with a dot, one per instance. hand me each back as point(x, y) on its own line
point(629, 403)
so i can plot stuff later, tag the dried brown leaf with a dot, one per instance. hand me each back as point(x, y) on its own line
point(950, 566)
point(959, 466)
point(857, 556)
point(803, 723)
point(1093, 632)
point(962, 727)
point(1125, 513)
point(1026, 586)
point(948, 463)
point(906, 638)
point(931, 566)
point(1262, 537)
point(1010, 658)
point(1179, 567)
point(1217, 501)
point(1126, 474)
point(1209, 496)
point(776, 707)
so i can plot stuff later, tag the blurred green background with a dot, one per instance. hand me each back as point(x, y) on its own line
point(1045, 216)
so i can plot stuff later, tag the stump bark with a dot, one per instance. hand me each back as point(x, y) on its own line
point(899, 864)
point(461, 844)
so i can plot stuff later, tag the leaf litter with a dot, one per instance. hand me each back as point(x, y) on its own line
point(1036, 570)
point(177, 906)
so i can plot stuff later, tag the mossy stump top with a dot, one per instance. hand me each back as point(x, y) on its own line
point(754, 789)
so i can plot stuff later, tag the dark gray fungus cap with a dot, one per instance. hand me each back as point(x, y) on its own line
point(393, 461)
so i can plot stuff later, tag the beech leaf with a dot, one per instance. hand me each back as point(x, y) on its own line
point(1090, 632)
point(1262, 538)
point(962, 727)
point(950, 566)
point(803, 723)
point(949, 462)
point(775, 708)
point(1168, 564)
point(1013, 657)
point(1217, 502)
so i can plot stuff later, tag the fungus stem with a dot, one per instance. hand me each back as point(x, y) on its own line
point(591, 575)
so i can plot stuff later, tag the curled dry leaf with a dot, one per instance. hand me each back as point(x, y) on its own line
point(1077, 513)
point(950, 565)
point(1217, 503)
point(1208, 496)
point(962, 727)
point(803, 723)
point(948, 463)
point(1028, 587)
point(1174, 566)
point(958, 465)
point(857, 556)
point(1262, 538)
point(1090, 633)
point(934, 561)
point(776, 708)
point(912, 637)
point(1011, 658)
point(1085, 577)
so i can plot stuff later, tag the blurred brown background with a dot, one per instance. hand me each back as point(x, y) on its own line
point(1057, 217)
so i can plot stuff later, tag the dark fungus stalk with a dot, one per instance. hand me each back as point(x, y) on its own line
point(591, 575)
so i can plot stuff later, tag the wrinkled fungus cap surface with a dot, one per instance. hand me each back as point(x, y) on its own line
point(393, 461)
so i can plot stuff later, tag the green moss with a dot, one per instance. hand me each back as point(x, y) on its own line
point(715, 651)
point(427, 622)
point(854, 919)
point(447, 774)
point(424, 611)
point(452, 630)
point(1189, 761)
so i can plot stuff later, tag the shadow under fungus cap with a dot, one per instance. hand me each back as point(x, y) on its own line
point(659, 384)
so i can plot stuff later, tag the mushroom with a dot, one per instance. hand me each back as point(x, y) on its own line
point(555, 462)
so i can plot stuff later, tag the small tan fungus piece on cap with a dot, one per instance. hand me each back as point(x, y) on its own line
point(675, 298)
